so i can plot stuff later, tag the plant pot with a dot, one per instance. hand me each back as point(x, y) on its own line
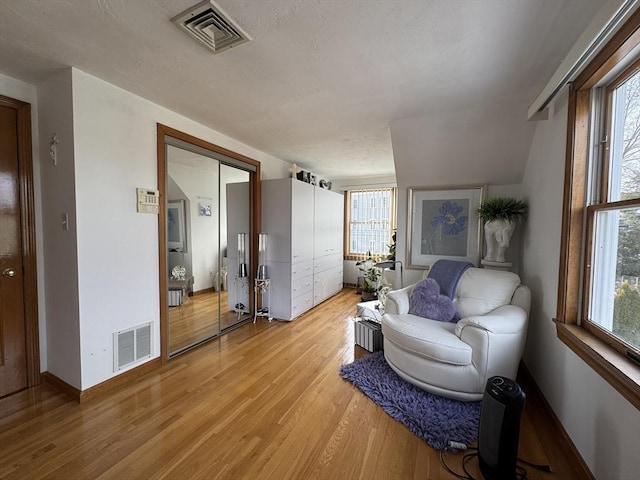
point(497, 234)
point(368, 296)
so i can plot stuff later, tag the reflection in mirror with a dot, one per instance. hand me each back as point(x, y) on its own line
point(208, 205)
point(235, 206)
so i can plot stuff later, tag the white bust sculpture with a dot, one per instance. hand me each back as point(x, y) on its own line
point(497, 234)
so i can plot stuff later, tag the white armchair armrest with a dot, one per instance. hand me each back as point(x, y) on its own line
point(507, 319)
point(398, 301)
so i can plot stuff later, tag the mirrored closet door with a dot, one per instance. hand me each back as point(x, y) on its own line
point(208, 241)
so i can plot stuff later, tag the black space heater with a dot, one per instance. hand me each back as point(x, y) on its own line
point(499, 430)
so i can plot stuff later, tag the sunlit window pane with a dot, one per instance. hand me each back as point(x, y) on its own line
point(370, 221)
point(624, 174)
point(615, 286)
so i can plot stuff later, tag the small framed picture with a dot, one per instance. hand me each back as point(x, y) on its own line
point(205, 209)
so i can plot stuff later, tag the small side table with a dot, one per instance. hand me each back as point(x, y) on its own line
point(262, 289)
point(369, 310)
point(242, 289)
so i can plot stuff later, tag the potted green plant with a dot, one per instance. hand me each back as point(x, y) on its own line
point(500, 216)
point(371, 278)
point(392, 250)
point(503, 208)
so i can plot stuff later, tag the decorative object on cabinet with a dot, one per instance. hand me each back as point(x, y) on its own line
point(325, 184)
point(294, 170)
point(440, 225)
point(303, 176)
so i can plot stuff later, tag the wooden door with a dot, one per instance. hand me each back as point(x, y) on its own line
point(13, 355)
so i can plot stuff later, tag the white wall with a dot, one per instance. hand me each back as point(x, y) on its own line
point(60, 247)
point(602, 424)
point(117, 248)
point(25, 92)
point(461, 147)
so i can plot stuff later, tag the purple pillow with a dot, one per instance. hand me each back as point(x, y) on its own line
point(426, 301)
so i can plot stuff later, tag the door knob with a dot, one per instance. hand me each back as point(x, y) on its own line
point(8, 272)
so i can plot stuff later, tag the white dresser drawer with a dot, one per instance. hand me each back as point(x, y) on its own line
point(301, 285)
point(328, 261)
point(301, 304)
point(301, 270)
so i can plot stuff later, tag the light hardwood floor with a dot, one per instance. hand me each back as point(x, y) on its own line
point(197, 319)
point(262, 402)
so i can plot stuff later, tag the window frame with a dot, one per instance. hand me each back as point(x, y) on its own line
point(579, 209)
point(348, 255)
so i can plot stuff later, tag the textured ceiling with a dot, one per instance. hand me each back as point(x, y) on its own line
point(322, 80)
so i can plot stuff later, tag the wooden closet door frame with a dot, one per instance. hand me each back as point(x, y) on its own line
point(254, 180)
point(28, 233)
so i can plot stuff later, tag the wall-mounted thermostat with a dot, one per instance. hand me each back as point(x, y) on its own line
point(148, 201)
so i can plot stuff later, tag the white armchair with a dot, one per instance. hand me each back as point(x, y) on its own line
point(456, 359)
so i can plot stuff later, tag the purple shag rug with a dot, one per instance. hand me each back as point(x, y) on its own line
point(436, 420)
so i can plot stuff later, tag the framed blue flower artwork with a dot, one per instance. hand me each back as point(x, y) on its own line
point(442, 224)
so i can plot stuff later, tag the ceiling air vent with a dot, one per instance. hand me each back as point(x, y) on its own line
point(208, 23)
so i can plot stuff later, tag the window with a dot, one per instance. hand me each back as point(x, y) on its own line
point(599, 283)
point(613, 266)
point(370, 222)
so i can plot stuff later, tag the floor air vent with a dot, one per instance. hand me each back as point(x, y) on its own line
point(130, 346)
point(207, 23)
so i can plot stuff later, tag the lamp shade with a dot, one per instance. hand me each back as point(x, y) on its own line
point(262, 257)
point(242, 255)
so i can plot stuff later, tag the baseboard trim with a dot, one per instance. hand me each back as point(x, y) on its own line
point(570, 452)
point(82, 396)
point(50, 379)
point(204, 290)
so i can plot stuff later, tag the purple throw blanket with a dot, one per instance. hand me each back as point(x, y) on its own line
point(448, 273)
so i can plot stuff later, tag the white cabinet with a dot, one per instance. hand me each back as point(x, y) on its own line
point(327, 244)
point(287, 218)
point(328, 223)
point(304, 257)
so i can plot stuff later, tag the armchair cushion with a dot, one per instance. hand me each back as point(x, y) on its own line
point(509, 319)
point(426, 301)
point(426, 338)
point(481, 291)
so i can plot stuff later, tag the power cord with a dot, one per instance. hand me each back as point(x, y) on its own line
point(542, 468)
point(455, 447)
